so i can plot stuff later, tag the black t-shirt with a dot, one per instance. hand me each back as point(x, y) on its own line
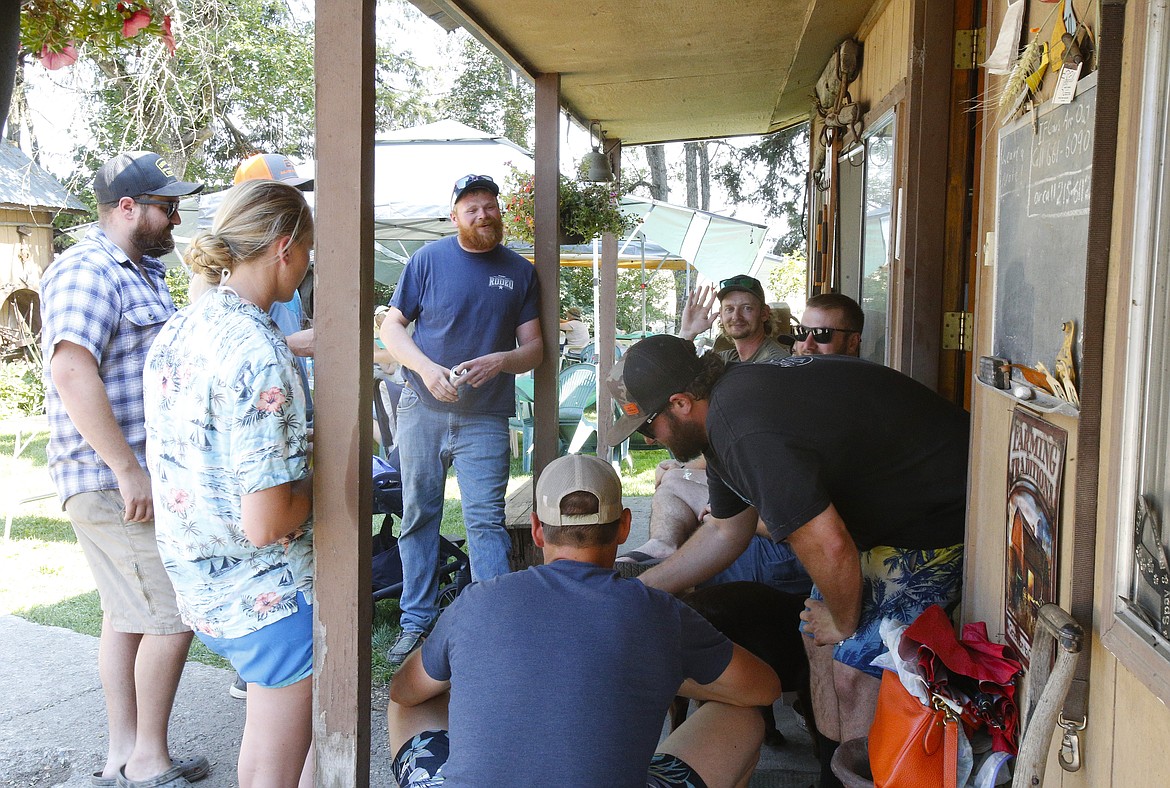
point(791, 437)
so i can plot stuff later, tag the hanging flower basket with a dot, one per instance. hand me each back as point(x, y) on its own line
point(587, 210)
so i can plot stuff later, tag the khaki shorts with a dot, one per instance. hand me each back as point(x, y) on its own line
point(137, 596)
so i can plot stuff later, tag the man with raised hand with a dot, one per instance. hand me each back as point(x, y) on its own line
point(102, 303)
point(744, 314)
point(578, 664)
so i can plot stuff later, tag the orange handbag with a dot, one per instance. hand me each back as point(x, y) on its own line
point(911, 745)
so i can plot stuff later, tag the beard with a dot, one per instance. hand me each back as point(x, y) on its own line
point(482, 237)
point(687, 439)
point(152, 242)
point(742, 330)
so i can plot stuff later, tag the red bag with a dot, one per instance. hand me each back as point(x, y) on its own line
point(911, 745)
point(976, 673)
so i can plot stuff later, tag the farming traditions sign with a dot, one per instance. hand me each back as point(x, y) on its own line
point(1036, 452)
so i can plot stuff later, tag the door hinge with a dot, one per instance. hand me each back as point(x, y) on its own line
point(969, 48)
point(958, 331)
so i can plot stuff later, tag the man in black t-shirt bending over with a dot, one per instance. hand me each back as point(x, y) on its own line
point(860, 468)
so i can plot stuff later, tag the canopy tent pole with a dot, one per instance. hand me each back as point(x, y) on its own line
point(643, 286)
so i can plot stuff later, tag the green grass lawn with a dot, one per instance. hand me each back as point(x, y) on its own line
point(44, 577)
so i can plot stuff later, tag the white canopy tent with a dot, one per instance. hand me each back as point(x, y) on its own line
point(414, 170)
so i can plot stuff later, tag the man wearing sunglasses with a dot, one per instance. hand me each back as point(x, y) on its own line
point(861, 469)
point(475, 306)
point(102, 303)
point(743, 312)
point(831, 325)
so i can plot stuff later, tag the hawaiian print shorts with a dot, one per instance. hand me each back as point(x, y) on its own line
point(419, 764)
point(898, 583)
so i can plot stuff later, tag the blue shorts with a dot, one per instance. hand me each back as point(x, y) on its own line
point(765, 561)
point(897, 583)
point(420, 762)
point(277, 655)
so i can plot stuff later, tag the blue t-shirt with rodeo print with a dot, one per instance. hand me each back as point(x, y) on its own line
point(466, 305)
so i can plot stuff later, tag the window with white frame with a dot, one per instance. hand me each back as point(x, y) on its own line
point(1136, 626)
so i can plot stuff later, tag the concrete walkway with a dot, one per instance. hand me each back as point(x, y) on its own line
point(52, 718)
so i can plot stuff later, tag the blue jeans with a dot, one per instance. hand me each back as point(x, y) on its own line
point(765, 561)
point(430, 441)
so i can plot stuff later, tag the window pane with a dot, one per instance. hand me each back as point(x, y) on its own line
point(876, 248)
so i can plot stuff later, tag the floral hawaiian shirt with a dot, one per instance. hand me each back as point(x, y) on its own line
point(225, 416)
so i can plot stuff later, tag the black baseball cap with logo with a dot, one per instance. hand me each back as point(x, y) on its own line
point(643, 380)
point(139, 172)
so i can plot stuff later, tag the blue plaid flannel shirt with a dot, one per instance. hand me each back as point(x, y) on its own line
point(95, 297)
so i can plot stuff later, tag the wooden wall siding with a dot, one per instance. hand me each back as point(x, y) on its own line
point(1129, 726)
point(885, 54)
point(38, 247)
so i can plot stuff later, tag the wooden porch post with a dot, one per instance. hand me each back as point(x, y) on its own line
point(344, 382)
point(606, 328)
point(547, 254)
point(916, 323)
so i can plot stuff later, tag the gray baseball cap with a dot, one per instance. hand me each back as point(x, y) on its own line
point(578, 473)
point(138, 172)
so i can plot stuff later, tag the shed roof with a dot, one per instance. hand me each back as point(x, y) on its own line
point(23, 183)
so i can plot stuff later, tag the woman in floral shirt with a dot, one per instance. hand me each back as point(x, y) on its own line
point(228, 453)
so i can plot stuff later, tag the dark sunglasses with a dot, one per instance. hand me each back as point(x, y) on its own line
point(741, 280)
point(466, 179)
point(170, 207)
point(645, 428)
point(819, 335)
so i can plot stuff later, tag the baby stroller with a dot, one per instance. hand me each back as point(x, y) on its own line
point(386, 575)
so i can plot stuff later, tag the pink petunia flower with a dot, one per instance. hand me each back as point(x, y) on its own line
point(167, 37)
point(266, 603)
point(134, 23)
point(55, 60)
point(271, 400)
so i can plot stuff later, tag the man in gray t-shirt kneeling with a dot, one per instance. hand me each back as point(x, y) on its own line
point(563, 673)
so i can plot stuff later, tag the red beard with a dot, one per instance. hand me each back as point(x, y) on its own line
point(482, 238)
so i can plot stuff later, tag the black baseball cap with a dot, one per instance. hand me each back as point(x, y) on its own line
point(138, 172)
point(643, 380)
point(743, 283)
point(471, 183)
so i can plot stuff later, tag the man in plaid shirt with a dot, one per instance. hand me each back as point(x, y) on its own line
point(103, 302)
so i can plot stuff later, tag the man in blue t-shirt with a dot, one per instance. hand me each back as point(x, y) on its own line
point(563, 673)
point(475, 307)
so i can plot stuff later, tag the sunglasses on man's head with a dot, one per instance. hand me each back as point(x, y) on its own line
point(466, 179)
point(169, 206)
point(819, 335)
point(742, 280)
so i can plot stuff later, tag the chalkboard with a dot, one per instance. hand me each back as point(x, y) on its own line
point(1042, 228)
